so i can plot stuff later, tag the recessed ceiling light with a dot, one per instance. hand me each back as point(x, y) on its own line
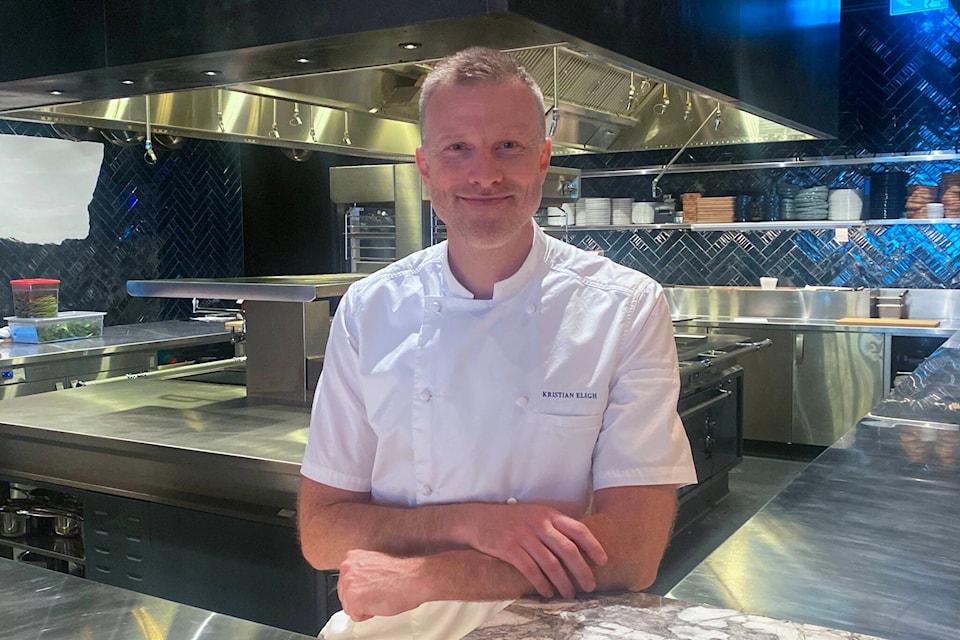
point(56, 92)
point(409, 46)
point(127, 82)
point(211, 72)
point(303, 60)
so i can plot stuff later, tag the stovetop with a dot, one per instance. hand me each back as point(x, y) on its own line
point(701, 355)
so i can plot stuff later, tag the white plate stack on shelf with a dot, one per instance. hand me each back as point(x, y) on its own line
point(570, 208)
point(597, 212)
point(845, 205)
point(621, 209)
point(642, 213)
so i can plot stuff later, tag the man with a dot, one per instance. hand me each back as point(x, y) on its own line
point(497, 414)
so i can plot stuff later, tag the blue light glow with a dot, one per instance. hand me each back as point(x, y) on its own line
point(760, 16)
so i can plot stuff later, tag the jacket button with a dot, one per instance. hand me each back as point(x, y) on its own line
point(436, 305)
point(531, 308)
point(425, 490)
point(523, 401)
point(425, 395)
point(511, 500)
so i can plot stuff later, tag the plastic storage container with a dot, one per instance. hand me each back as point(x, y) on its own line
point(68, 325)
point(35, 297)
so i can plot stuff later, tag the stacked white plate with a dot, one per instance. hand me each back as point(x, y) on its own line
point(596, 212)
point(580, 213)
point(642, 213)
point(621, 210)
point(845, 205)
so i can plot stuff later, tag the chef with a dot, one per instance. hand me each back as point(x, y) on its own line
point(496, 415)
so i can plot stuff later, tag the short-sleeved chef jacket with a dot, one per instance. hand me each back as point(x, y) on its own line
point(564, 382)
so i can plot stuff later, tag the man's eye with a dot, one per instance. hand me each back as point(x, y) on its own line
point(509, 144)
point(457, 146)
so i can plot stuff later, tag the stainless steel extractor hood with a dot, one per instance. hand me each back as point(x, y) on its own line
point(356, 92)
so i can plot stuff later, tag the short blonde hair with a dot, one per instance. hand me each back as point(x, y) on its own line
point(477, 64)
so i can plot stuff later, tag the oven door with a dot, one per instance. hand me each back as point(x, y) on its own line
point(712, 418)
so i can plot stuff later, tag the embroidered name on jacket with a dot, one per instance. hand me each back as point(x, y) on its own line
point(577, 395)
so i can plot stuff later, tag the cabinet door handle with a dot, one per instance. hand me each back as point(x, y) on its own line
point(723, 394)
point(798, 348)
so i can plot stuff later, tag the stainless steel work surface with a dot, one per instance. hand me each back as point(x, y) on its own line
point(117, 339)
point(37, 604)
point(864, 539)
point(270, 288)
point(194, 444)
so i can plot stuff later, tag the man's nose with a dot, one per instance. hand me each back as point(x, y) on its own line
point(485, 169)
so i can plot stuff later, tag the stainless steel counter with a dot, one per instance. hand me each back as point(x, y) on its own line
point(117, 339)
point(864, 539)
point(193, 444)
point(37, 603)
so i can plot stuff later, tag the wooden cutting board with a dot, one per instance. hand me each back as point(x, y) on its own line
point(891, 322)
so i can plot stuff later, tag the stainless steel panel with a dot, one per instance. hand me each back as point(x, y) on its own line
point(191, 444)
point(750, 302)
point(276, 288)
point(864, 538)
point(768, 387)
point(364, 184)
point(37, 603)
point(838, 377)
point(281, 338)
point(407, 212)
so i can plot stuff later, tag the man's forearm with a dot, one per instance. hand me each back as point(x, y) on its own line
point(327, 534)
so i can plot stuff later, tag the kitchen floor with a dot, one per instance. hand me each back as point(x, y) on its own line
point(752, 484)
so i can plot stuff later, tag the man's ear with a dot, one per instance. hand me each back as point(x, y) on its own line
point(545, 156)
point(423, 166)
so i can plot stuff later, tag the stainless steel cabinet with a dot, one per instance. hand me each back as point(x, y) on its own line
point(810, 387)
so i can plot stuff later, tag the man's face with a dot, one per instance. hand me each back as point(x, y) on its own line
point(484, 159)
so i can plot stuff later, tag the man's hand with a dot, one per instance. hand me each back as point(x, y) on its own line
point(546, 546)
point(377, 584)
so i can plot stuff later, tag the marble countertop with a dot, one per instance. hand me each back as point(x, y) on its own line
point(638, 616)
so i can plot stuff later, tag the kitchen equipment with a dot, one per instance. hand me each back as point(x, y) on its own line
point(35, 297)
point(768, 283)
point(665, 212)
point(13, 523)
point(63, 522)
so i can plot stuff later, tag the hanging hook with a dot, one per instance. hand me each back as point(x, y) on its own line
point(295, 121)
point(313, 131)
point(631, 95)
point(274, 131)
point(220, 111)
point(346, 129)
point(555, 109)
point(688, 108)
point(149, 155)
point(662, 107)
point(718, 118)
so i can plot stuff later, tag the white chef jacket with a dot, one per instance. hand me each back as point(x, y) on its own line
point(564, 382)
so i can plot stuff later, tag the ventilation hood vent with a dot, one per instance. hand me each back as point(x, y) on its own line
point(357, 101)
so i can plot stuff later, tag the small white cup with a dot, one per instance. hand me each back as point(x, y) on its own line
point(935, 210)
point(768, 283)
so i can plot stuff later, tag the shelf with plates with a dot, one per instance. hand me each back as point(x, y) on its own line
point(772, 225)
